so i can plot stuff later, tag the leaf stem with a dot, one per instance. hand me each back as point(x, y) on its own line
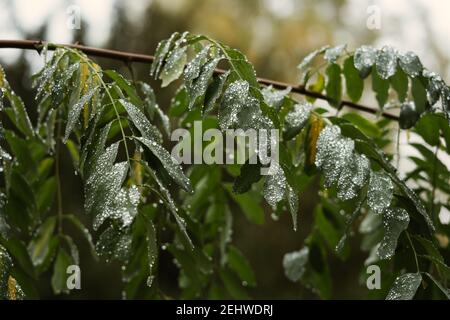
point(58, 178)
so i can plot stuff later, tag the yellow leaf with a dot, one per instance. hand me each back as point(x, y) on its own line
point(12, 291)
point(316, 126)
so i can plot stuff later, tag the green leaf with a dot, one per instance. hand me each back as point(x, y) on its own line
point(241, 68)
point(239, 264)
point(354, 83)
point(214, 91)
point(148, 131)
point(317, 86)
point(427, 126)
point(408, 115)
point(399, 82)
point(444, 290)
point(419, 94)
point(168, 162)
point(82, 230)
point(38, 248)
point(125, 86)
point(250, 205)
point(250, 174)
point(20, 256)
point(21, 119)
point(21, 150)
point(381, 88)
point(162, 50)
point(75, 111)
point(179, 103)
point(405, 287)
point(46, 194)
point(74, 153)
point(363, 124)
point(199, 85)
point(232, 285)
point(59, 277)
point(333, 87)
point(174, 65)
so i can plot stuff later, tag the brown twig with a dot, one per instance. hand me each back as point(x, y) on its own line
point(129, 57)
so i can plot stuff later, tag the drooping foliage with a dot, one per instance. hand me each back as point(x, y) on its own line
point(135, 194)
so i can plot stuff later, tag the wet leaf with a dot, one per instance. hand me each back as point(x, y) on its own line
point(294, 264)
point(395, 221)
point(405, 287)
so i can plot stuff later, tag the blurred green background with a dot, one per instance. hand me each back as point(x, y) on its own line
point(275, 35)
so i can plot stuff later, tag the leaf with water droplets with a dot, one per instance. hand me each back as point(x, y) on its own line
point(294, 264)
point(5, 267)
point(410, 64)
point(435, 84)
point(364, 58)
point(162, 50)
point(275, 185)
point(45, 76)
point(334, 153)
point(75, 110)
point(395, 221)
point(273, 97)
point(309, 58)
point(152, 251)
point(197, 87)
point(353, 177)
point(386, 62)
point(381, 89)
point(20, 116)
point(214, 90)
point(296, 119)
point(150, 106)
point(292, 197)
point(173, 67)
point(192, 70)
point(147, 130)
point(332, 54)
point(239, 108)
point(405, 287)
point(380, 192)
point(171, 206)
point(241, 68)
point(408, 115)
point(114, 243)
point(175, 61)
point(169, 163)
point(123, 207)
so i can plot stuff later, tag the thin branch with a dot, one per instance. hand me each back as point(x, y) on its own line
point(129, 57)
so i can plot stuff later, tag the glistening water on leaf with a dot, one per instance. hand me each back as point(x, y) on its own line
point(143, 209)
